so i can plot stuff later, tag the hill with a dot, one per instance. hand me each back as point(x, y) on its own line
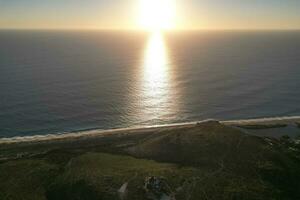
point(203, 161)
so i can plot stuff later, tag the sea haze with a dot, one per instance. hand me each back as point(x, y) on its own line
point(62, 81)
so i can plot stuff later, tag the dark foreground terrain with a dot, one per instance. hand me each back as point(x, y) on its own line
point(204, 161)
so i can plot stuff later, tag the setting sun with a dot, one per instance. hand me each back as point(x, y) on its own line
point(157, 14)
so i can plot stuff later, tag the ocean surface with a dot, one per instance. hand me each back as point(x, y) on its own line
point(63, 81)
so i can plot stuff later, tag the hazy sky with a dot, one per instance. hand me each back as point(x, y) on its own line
point(122, 14)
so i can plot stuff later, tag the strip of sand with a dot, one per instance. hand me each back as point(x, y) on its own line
point(267, 122)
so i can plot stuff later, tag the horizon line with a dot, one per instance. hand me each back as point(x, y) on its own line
point(141, 30)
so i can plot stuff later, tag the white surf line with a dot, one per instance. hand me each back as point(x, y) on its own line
point(99, 133)
point(92, 133)
point(264, 121)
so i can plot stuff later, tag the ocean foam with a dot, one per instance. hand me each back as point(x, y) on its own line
point(100, 132)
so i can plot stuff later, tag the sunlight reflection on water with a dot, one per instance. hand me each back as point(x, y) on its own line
point(156, 91)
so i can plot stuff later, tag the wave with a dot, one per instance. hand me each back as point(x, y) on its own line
point(264, 121)
point(101, 132)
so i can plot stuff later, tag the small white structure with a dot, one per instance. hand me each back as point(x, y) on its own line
point(123, 191)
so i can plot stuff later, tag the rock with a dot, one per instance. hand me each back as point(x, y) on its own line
point(157, 189)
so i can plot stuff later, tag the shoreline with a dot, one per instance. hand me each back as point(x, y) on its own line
point(272, 121)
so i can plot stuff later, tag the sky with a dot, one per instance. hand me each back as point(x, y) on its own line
point(123, 14)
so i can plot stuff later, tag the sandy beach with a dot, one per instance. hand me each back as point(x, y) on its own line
point(261, 123)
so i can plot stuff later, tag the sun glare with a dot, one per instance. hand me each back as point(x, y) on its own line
point(155, 61)
point(156, 15)
point(156, 91)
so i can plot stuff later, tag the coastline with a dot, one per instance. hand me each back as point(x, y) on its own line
point(263, 123)
point(207, 155)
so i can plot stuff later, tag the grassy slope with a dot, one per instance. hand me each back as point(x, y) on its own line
point(263, 126)
point(208, 161)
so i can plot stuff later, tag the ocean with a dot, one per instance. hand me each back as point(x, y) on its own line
point(64, 81)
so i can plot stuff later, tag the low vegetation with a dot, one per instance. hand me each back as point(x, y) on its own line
point(206, 161)
point(262, 126)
